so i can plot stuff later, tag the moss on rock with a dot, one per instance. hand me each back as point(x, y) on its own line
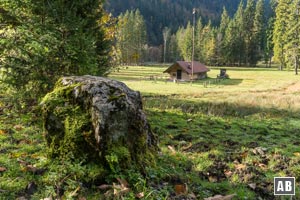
point(98, 120)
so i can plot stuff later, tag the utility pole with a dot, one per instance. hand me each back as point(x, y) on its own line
point(166, 34)
point(194, 12)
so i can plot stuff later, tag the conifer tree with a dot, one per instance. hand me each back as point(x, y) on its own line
point(222, 51)
point(280, 29)
point(43, 40)
point(249, 32)
point(199, 53)
point(259, 31)
point(291, 37)
point(239, 29)
point(187, 43)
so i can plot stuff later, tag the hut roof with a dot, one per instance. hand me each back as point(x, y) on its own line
point(187, 66)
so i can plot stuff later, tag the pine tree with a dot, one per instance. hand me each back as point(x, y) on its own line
point(249, 33)
point(199, 53)
point(43, 40)
point(221, 47)
point(291, 37)
point(259, 31)
point(280, 29)
point(232, 44)
point(174, 52)
point(225, 19)
point(239, 34)
point(269, 45)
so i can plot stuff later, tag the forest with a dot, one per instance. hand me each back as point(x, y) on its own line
point(250, 34)
point(73, 72)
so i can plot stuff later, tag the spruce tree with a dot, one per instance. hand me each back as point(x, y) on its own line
point(221, 44)
point(239, 34)
point(280, 29)
point(187, 44)
point(291, 37)
point(249, 32)
point(43, 40)
point(259, 31)
point(199, 52)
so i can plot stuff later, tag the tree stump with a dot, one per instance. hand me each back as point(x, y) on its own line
point(98, 119)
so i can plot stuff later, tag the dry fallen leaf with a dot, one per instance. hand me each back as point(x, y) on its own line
point(140, 195)
point(26, 167)
point(228, 173)
point(181, 189)
point(123, 182)
point(2, 132)
point(104, 187)
point(220, 197)
point(263, 166)
point(297, 154)
point(171, 149)
point(240, 166)
point(2, 169)
point(18, 127)
point(244, 154)
point(252, 186)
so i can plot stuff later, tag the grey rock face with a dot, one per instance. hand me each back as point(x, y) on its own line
point(98, 118)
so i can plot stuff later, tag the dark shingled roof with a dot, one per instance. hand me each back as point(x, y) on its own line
point(187, 66)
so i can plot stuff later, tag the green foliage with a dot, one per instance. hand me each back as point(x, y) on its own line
point(286, 34)
point(215, 153)
point(131, 37)
point(41, 41)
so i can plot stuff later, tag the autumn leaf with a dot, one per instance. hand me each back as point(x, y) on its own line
point(3, 132)
point(18, 127)
point(180, 189)
point(2, 169)
point(240, 166)
point(123, 182)
point(140, 195)
point(220, 197)
point(228, 173)
point(171, 149)
point(252, 186)
point(297, 154)
point(104, 187)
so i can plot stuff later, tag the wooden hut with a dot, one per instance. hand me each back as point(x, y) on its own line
point(182, 71)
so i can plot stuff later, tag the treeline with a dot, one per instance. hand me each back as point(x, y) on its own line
point(244, 39)
point(171, 13)
point(238, 40)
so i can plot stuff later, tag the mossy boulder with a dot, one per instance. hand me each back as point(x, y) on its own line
point(98, 119)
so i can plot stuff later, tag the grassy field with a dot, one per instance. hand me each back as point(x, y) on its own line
point(228, 138)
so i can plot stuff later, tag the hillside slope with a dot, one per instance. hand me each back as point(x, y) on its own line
point(172, 13)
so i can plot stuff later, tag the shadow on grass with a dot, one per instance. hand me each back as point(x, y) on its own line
point(216, 108)
point(216, 156)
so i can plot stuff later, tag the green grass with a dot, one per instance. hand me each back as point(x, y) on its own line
point(218, 140)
